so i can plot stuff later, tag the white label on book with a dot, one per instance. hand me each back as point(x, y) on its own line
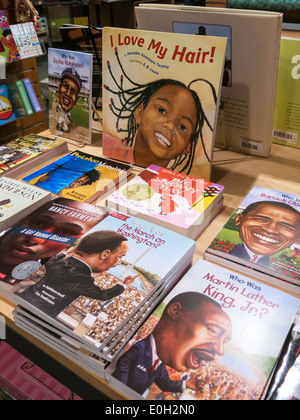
point(2, 68)
point(251, 145)
point(286, 136)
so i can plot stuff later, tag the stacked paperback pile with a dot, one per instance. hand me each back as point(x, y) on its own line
point(173, 200)
point(96, 293)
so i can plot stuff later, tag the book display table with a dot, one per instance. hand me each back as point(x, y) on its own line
point(238, 174)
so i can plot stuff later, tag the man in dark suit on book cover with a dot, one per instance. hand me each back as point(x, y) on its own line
point(266, 228)
point(67, 279)
point(192, 329)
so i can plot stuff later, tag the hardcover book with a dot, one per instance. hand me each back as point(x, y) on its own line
point(17, 200)
point(70, 94)
point(44, 233)
point(8, 46)
point(171, 199)
point(100, 286)
point(245, 123)
point(262, 238)
point(79, 176)
point(286, 116)
point(25, 153)
point(216, 336)
point(161, 98)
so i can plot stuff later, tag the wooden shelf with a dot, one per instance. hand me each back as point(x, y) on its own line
point(34, 123)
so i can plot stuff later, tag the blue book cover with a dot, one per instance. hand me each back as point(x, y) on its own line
point(32, 96)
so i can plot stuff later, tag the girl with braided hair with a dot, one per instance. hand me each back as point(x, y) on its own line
point(160, 122)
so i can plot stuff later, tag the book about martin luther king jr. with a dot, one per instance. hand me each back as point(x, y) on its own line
point(161, 98)
point(216, 336)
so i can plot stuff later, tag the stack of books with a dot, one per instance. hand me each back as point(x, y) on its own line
point(96, 294)
point(170, 199)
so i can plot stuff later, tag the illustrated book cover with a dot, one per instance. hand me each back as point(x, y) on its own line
point(262, 237)
point(42, 234)
point(70, 94)
point(216, 336)
point(7, 113)
point(24, 153)
point(170, 199)
point(286, 116)
point(79, 176)
point(245, 123)
point(161, 98)
point(8, 46)
point(17, 199)
point(98, 287)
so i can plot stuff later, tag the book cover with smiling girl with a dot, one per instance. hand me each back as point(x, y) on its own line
point(161, 98)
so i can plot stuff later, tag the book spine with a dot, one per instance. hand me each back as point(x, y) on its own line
point(24, 97)
point(32, 96)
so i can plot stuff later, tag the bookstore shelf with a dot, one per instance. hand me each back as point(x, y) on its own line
point(238, 173)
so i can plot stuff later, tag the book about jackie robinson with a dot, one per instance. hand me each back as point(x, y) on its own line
point(92, 302)
point(262, 237)
point(216, 336)
point(41, 235)
point(161, 98)
point(286, 116)
point(70, 94)
point(245, 122)
point(171, 199)
point(79, 176)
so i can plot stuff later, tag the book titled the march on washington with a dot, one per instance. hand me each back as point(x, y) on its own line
point(161, 98)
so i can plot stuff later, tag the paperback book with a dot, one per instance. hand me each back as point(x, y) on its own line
point(7, 113)
point(286, 116)
point(25, 153)
point(17, 200)
point(176, 201)
point(79, 176)
point(216, 336)
point(262, 238)
point(98, 287)
point(161, 98)
point(70, 94)
point(41, 235)
point(245, 123)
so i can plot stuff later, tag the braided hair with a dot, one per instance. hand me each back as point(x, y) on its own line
point(139, 94)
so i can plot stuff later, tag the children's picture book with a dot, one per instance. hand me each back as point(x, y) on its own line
point(161, 97)
point(25, 153)
point(216, 336)
point(262, 238)
point(42, 234)
point(286, 116)
point(245, 123)
point(17, 199)
point(70, 94)
point(8, 46)
point(99, 285)
point(79, 176)
point(7, 113)
point(171, 199)
point(89, 40)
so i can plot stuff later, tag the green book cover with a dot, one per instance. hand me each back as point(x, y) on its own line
point(287, 105)
point(24, 97)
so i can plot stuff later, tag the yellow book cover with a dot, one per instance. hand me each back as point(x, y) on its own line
point(161, 96)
